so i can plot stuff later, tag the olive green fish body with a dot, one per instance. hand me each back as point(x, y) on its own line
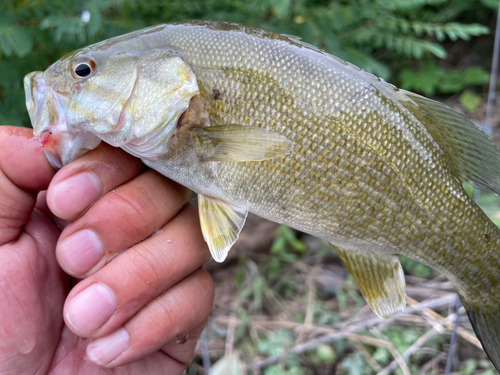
point(363, 174)
point(279, 128)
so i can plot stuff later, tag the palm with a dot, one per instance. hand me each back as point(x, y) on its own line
point(34, 290)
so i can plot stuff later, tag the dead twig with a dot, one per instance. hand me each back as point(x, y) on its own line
point(462, 332)
point(204, 352)
point(311, 299)
point(369, 358)
point(230, 342)
point(453, 341)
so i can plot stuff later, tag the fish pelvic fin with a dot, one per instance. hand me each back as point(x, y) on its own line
point(221, 224)
point(486, 324)
point(380, 280)
point(239, 143)
point(473, 156)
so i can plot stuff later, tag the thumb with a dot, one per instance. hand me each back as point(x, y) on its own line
point(24, 171)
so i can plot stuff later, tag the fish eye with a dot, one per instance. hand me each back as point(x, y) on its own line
point(83, 69)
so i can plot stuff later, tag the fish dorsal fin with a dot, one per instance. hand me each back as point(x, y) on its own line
point(294, 37)
point(475, 158)
point(239, 143)
point(221, 224)
point(380, 280)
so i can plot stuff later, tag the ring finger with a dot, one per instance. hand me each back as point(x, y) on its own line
point(104, 301)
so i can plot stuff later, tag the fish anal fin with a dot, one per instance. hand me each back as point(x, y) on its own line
point(221, 224)
point(474, 157)
point(380, 280)
point(239, 143)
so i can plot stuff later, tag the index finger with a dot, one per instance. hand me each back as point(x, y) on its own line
point(79, 184)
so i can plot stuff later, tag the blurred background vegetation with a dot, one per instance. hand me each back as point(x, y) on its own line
point(272, 294)
point(416, 44)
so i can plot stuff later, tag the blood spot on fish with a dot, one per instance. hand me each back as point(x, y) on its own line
point(45, 138)
point(217, 94)
point(488, 237)
point(78, 88)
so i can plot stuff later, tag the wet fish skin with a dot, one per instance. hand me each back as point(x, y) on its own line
point(364, 173)
point(372, 169)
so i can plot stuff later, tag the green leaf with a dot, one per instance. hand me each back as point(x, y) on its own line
point(470, 101)
point(475, 75)
point(413, 267)
point(94, 24)
point(426, 80)
point(493, 4)
point(468, 367)
point(21, 41)
point(382, 355)
point(468, 189)
point(354, 364)
point(281, 8)
point(325, 353)
point(436, 50)
point(6, 45)
point(227, 365)
point(452, 82)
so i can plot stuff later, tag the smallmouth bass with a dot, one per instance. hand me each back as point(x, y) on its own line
point(255, 121)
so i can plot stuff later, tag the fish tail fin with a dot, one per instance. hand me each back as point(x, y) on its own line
point(486, 324)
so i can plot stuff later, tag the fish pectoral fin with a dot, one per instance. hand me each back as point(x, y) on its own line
point(239, 143)
point(380, 280)
point(474, 157)
point(221, 224)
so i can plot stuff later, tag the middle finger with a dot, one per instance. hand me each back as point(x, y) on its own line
point(104, 301)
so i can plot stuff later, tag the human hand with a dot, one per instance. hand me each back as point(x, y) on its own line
point(143, 299)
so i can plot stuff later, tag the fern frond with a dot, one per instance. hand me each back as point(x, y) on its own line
point(453, 30)
point(14, 39)
point(411, 46)
point(406, 5)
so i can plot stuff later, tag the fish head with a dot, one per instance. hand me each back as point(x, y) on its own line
point(127, 98)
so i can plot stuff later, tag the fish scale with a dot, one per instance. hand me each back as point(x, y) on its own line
point(299, 137)
point(427, 178)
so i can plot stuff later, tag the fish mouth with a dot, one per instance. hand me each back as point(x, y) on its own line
point(47, 111)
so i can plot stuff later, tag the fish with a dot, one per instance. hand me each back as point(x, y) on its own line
point(261, 122)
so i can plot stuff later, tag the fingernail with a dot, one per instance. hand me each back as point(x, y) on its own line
point(73, 195)
point(80, 252)
point(106, 349)
point(90, 309)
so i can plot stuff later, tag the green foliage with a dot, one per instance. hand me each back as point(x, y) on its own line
point(470, 101)
point(413, 267)
point(286, 237)
point(273, 345)
point(285, 250)
point(34, 34)
point(231, 365)
point(323, 354)
point(431, 79)
point(354, 365)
